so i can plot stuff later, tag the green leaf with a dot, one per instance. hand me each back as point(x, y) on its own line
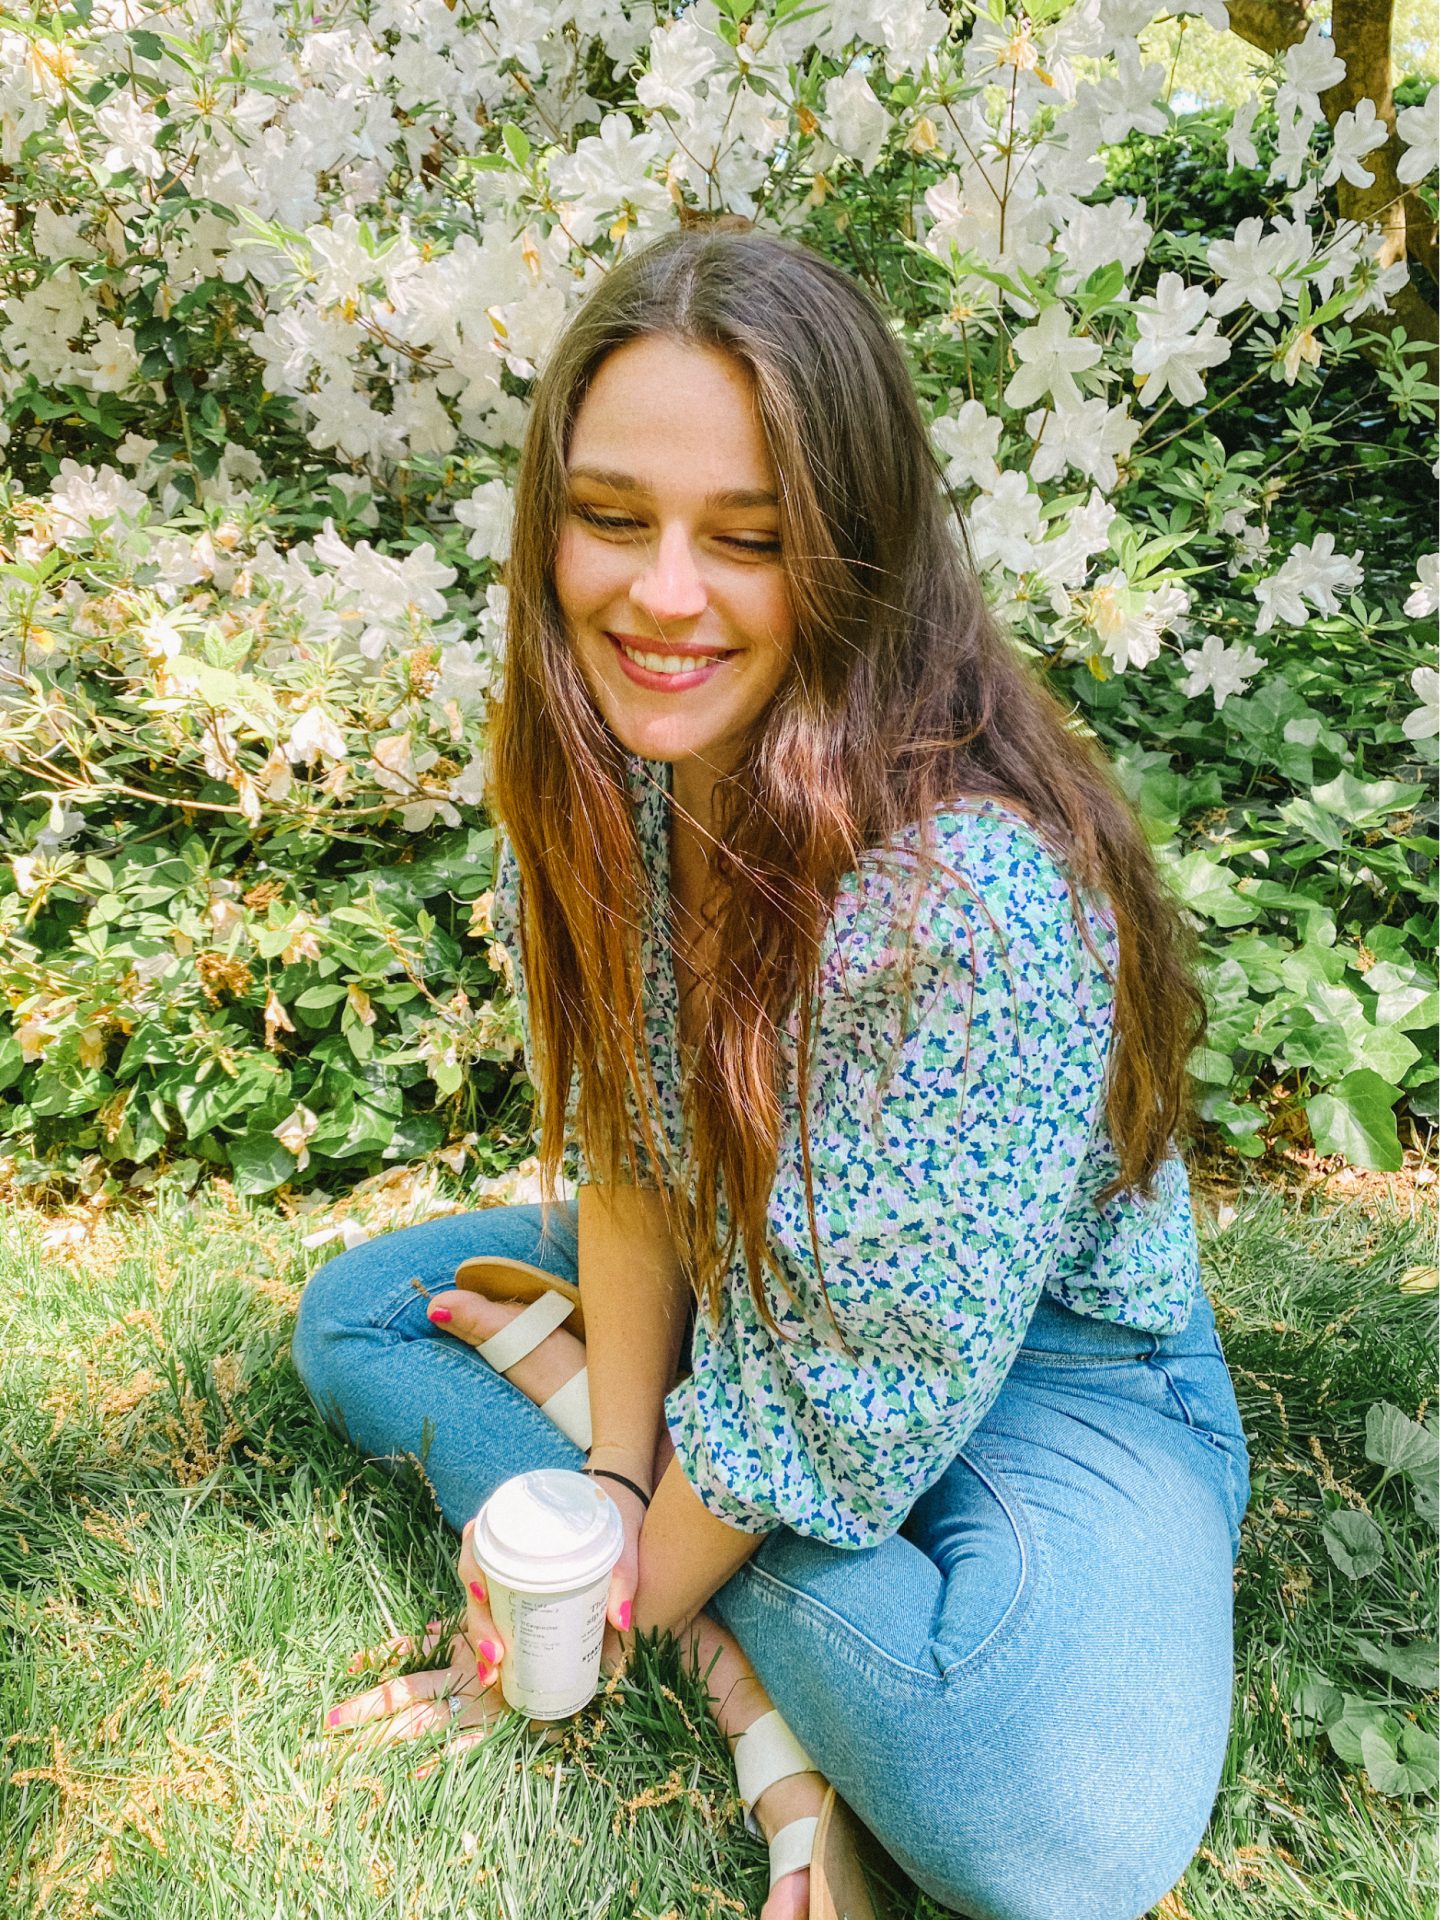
point(1358, 800)
point(1353, 1542)
point(517, 144)
point(1354, 1118)
point(259, 1163)
point(1356, 1717)
point(1316, 1705)
point(1207, 887)
point(1403, 1763)
point(1399, 1444)
point(1416, 1664)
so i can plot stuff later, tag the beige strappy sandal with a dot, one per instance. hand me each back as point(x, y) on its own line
point(826, 1843)
point(551, 1302)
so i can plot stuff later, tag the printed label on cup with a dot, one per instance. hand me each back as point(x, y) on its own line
point(547, 1543)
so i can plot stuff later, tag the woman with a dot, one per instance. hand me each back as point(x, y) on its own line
point(849, 977)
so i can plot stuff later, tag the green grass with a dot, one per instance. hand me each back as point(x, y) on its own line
point(188, 1560)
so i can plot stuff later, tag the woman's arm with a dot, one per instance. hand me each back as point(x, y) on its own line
point(686, 1554)
point(635, 1297)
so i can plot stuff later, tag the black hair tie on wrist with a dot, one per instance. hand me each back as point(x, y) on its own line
point(604, 1473)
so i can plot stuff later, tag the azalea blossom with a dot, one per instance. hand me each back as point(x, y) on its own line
point(1249, 267)
point(1087, 438)
point(1356, 134)
point(1419, 128)
point(1313, 572)
point(1219, 670)
point(1050, 356)
point(970, 441)
point(1004, 525)
point(1423, 723)
point(1425, 594)
point(1170, 352)
point(854, 118)
point(488, 513)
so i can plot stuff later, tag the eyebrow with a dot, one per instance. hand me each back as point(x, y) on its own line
point(627, 483)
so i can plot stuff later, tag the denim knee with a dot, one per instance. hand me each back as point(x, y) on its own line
point(1090, 1880)
point(333, 1304)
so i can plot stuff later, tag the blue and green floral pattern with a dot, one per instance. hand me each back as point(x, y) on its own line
point(954, 1170)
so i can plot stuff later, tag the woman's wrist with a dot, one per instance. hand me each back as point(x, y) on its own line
point(635, 1463)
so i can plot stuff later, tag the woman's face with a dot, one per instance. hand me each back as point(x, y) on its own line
point(670, 554)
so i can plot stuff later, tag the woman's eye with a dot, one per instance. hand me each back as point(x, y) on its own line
point(754, 546)
point(607, 522)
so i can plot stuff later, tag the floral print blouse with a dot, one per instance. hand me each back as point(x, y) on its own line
point(954, 1173)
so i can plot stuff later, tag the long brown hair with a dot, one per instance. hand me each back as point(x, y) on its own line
point(902, 694)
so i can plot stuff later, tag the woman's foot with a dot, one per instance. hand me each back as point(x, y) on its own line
point(474, 1318)
point(797, 1798)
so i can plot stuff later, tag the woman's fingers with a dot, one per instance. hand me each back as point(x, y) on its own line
point(405, 1646)
point(395, 1697)
point(480, 1629)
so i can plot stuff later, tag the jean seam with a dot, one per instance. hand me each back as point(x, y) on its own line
point(838, 1629)
point(1011, 1508)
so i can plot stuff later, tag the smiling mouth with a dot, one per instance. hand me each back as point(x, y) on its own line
point(656, 660)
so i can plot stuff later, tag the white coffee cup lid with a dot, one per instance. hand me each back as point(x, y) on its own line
point(548, 1531)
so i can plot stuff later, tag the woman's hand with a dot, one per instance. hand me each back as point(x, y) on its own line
point(457, 1695)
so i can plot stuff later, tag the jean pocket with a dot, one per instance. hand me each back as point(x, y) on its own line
point(1204, 1398)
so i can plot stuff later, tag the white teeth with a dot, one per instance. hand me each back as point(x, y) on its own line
point(667, 662)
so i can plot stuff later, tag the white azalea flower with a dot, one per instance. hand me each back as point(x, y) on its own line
point(969, 438)
point(1217, 669)
point(855, 120)
point(1087, 438)
point(1248, 267)
point(1050, 356)
point(1419, 128)
point(130, 131)
point(1004, 525)
point(1423, 723)
point(1313, 66)
point(1356, 133)
point(1169, 353)
point(294, 1132)
point(315, 736)
point(489, 513)
point(1239, 146)
point(682, 55)
point(1129, 621)
point(1314, 573)
point(1425, 594)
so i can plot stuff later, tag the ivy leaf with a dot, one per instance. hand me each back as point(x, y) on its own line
point(1354, 1118)
point(1416, 1665)
point(1207, 887)
point(1354, 1543)
point(1364, 800)
point(1399, 1444)
point(259, 1163)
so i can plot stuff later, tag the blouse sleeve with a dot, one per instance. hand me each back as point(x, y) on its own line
point(942, 1163)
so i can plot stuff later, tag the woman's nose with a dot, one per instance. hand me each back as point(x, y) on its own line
point(670, 587)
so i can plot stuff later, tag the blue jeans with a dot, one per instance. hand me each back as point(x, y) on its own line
point(1025, 1693)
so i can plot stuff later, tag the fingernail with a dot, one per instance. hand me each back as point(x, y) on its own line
point(332, 1718)
point(487, 1676)
point(477, 1589)
point(489, 1652)
point(441, 1313)
point(432, 1626)
point(625, 1614)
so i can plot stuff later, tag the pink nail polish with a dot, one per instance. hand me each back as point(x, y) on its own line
point(487, 1675)
point(477, 1590)
point(489, 1652)
point(441, 1314)
point(625, 1616)
point(332, 1718)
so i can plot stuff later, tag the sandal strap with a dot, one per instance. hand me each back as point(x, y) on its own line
point(767, 1751)
point(792, 1848)
point(569, 1408)
point(521, 1336)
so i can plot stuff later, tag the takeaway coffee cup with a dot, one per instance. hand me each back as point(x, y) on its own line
point(547, 1543)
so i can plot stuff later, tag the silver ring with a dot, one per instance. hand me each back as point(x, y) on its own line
point(457, 1704)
